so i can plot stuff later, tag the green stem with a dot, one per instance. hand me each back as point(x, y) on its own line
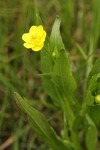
point(35, 7)
point(65, 134)
point(76, 140)
point(90, 59)
point(70, 116)
point(68, 112)
point(81, 51)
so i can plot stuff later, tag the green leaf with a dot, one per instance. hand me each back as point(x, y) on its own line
point(94, 113)
point(40, 125)
point(56, 42)
point(91, 135)
point(48, 60)
point(91, 138)
point(62, 75)
point(95, 23)
point(95, 69)
point(92, 89)
point(93, 83)
point(56, 68)
point(47, 68)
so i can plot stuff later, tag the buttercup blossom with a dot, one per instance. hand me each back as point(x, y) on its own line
point(35, 38)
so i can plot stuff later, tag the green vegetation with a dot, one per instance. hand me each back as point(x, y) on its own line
point(21, 71)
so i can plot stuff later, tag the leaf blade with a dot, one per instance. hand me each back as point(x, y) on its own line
point(40, 125)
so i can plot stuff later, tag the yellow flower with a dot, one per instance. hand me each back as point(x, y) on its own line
point(97, 98)
point(35, 38)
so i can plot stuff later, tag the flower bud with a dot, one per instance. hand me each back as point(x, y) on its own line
point(97, 98)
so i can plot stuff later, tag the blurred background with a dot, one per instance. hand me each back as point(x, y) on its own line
point(20, 68)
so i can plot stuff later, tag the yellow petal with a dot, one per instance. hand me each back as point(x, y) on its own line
point(39, 43)
point(28, 45)
point(33, 30)
point(37, 47)
point(40, 28)
point(41, 40)
point(26, 37)
point(39, 32)
point(43, 36)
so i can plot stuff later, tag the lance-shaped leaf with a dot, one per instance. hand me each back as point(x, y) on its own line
point(56, 42)
point(62, 75)
point(47, 68)
point(40, 125)
point(47, 62)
